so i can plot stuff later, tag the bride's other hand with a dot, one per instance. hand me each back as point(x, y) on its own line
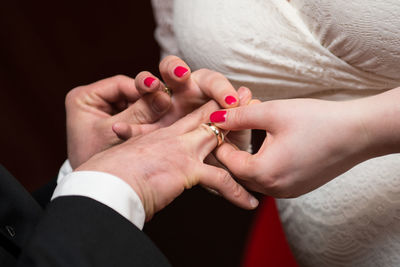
point(190, 90)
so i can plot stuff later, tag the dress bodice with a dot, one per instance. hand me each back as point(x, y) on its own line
point(280, 49)
point(308, 48)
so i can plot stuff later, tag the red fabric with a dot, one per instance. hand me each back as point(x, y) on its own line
point(267, 245)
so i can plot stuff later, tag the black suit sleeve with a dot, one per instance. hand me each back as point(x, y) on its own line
point(44, 193)
point(19, 213)
point(78, 231)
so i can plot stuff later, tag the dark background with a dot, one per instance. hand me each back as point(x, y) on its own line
point(50, 47)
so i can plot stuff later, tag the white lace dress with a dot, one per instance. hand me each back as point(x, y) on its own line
point(324, 49)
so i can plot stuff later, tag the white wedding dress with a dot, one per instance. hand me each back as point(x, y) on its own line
point(334, 50)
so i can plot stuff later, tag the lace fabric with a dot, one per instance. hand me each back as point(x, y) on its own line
point(354, 220)
point(164, 34)
point(285, 50)
point(364, 33)
point(264, 45)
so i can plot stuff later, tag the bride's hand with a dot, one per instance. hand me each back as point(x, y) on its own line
point(308, 143)
point(189, 90)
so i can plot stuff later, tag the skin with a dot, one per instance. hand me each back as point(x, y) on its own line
point(160, 165)
point(190, 92)
point(93, 109)
point(310, 142)
point(141, 114)
point(105, 113)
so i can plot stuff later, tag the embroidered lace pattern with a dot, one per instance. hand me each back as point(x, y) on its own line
point(308, 48)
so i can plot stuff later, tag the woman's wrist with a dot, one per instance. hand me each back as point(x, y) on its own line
point(379, 118)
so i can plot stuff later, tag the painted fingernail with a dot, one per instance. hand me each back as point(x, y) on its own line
point(230, 100)
point(218, 116)
point(253, 202)
point(149, 81)
point(180, 71)
point(243, 92)
point(160, 103)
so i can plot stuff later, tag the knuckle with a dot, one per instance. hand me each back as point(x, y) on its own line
point(224, 178)
point(199, 75)
point(233, 188)
point(136, 131)
point(201, 72)
point(237, 190)
point(72, 95)
point(141, 116)
point(119, 77)
point(224, 154)
point(213, 79)
point(246, 169)
point(275, 186)
point(269, 182)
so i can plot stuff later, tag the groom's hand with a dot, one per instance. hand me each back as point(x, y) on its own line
point(160, 165)
point(93, 110)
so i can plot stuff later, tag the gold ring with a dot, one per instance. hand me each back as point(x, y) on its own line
point(217, 131)
point(167, 90)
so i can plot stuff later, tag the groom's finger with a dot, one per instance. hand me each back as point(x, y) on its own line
point(112, 90)
point(124, 130)
point(146, 110)
point(200, 141)
point(221, 181)
point(194, 119)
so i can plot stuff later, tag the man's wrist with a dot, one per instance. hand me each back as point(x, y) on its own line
point(105, 188)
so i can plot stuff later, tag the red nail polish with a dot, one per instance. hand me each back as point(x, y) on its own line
point(230, 100)
point(218, 116)
point(180, 71)
point(149, 81)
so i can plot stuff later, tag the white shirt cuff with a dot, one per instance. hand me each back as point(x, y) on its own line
point(104, 188)
point(64, 170)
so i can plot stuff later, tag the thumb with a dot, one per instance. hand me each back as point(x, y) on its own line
point(148, 109)
point(246, 117)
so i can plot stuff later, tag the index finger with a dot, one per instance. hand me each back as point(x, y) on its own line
point(200, 143)
point(194, 119)
point(220, 180)
point(216, 86)
point(113, 90)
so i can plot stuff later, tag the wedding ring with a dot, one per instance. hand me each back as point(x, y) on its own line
point(217, 131)
point(167, 90)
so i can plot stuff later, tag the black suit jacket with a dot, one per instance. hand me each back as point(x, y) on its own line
point(70, 231)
